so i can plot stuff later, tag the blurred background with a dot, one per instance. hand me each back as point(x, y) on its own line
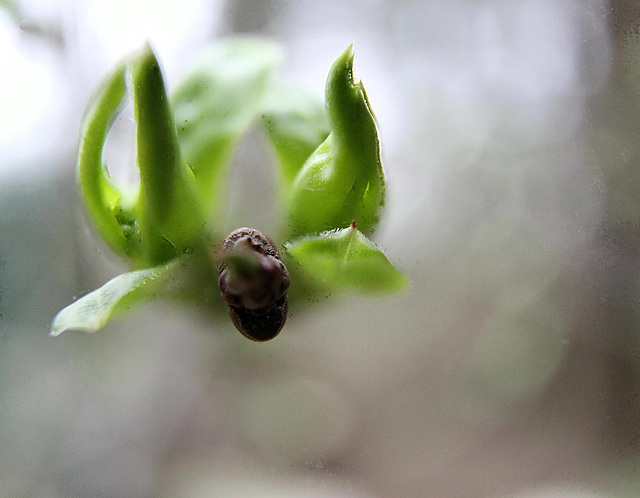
point(510, 368)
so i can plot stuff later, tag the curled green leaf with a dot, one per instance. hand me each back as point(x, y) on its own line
point(342, 180)
point(346, 259)
point(103, 200)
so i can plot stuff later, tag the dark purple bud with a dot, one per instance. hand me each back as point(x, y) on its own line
point(253, 282)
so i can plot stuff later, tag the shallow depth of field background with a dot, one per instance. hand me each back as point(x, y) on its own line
point(511, 366)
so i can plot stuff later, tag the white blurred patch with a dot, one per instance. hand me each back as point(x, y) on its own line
point(33, 99)
point(107, 31)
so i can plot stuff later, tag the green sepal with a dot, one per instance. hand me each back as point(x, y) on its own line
point(214, 105)
point(346, 259)
point(342, 180)
point(169, 212)
point(92, 312)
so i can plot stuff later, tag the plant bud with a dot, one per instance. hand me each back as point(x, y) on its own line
point(253, 282)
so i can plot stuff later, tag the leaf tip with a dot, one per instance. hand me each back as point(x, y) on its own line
point(57, 327)
point(146, 53)
point(344, 62)
point(349, 52)
point(403, 282)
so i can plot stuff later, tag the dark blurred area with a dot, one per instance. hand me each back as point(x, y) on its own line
point(511, 366)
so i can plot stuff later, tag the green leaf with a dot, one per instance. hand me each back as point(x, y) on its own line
point(103, 200)
point(165, 218)
point(296, 124)
point(214, 105)
point(346, 259)
point(342, 181)
point(170, 216)
point(92, 312)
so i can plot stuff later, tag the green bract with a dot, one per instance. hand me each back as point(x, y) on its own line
point(168, 229)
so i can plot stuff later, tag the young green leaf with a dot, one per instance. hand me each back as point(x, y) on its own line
point(165, 218)
point(170, 215)
point(103, 200)
point(343, 179)
point(346, 259)
point(296, 124)
point(92, 312)
point(215, 104)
